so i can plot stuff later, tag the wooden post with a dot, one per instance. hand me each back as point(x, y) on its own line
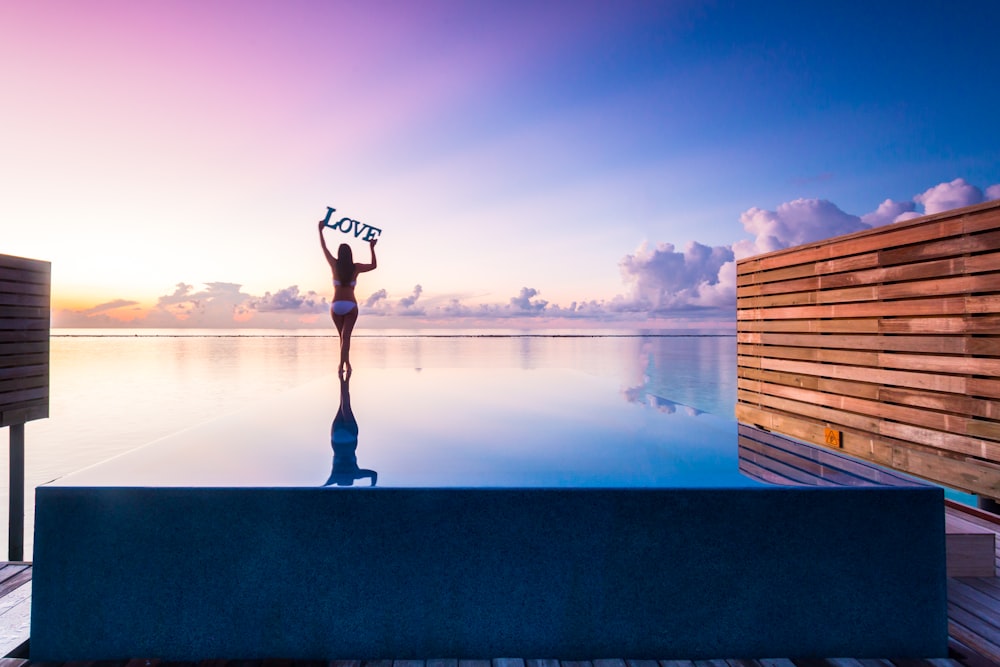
point(15, 526)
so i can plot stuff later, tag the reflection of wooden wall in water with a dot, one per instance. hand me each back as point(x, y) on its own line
point(24, 340)
point(889, 339)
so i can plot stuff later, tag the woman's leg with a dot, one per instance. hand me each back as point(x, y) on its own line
point(345, 325)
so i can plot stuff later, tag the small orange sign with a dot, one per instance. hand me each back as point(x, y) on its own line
point(833, 438)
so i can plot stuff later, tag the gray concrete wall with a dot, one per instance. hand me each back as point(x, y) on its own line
point(187, 574)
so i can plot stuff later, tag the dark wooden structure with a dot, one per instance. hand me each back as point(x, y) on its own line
point(884, 344)
point(24, 369)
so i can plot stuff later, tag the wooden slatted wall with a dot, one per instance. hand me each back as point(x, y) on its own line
point(24, 340)
point(889, 337)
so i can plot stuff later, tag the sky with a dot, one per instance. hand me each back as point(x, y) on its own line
point(567, 163)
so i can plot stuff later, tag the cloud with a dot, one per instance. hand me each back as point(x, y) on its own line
point(407, 301)
point(108, 306)
point(794, 223)
point(993, 192)
point(373, 300)
point(946, 196)
point(523, 301)
point(289, 299)
point(890, 211)
point(661, 279)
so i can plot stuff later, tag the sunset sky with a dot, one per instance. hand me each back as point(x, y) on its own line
point(564, 163)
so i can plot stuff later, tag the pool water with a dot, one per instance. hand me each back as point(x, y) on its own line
point(443, 427)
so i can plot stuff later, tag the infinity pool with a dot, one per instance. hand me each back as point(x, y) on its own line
point(473, 513)
point(443, 427)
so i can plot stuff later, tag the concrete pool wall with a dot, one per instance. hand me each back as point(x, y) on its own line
point(305, 573)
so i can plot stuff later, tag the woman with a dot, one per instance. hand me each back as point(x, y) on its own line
point(344, 309)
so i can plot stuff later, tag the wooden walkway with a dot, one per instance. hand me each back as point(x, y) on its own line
point(973, 629)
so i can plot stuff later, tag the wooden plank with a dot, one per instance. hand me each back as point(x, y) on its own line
point(37, 312)
point(933, 325)
point(984, 607)
point(956, 423)
point(989, 282)
point(11, 348)
point(892, 274)
point(875, 241)
point(847, 295)
point(10, 399)
point(970, 554)
point(9, 386)
point(944, 247)
point(983, 387)
point(786, 273)
point(943, 383)
point(925, 344)
point(844, 325)
point(902, 308)
point(41, 324)
point(24, 414)
point(16, 287)
point(29, 300)
point(15, 372)
point(820, 354)
point(16, 581)
point(25, 264)
point(24, 359)
point(830, 385)
point(828, 417)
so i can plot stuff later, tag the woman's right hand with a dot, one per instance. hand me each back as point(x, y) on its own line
point(322, 224)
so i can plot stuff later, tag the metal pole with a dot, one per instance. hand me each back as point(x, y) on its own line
point(15, 526)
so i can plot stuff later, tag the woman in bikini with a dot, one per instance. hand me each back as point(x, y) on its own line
point(344, 310)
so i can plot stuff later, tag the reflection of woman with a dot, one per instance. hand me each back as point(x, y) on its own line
point(344, 310)
point(344, 440)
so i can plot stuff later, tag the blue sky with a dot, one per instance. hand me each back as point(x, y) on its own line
point(530, 163)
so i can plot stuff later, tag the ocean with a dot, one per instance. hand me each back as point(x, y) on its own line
point(113, 391)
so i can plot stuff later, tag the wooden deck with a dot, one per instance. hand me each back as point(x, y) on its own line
point(973, 628)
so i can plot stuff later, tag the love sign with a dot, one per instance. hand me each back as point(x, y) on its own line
point(348, 226)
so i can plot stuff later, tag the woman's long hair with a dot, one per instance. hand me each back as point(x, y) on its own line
point(345, 264)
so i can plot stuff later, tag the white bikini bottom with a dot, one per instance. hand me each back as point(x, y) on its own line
point(343, 307)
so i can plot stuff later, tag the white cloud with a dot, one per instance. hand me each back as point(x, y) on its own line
point(662, 279)
point(289, 299)
point(108, 306)
point(523, 301)
point(993, 192)
point(890, 211)
point(373, 300)
point(407, 302)
point(946, 196)
point(794, 223)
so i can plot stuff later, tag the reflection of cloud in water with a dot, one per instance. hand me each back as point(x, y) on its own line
point(690, 370)
point(665, 405)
